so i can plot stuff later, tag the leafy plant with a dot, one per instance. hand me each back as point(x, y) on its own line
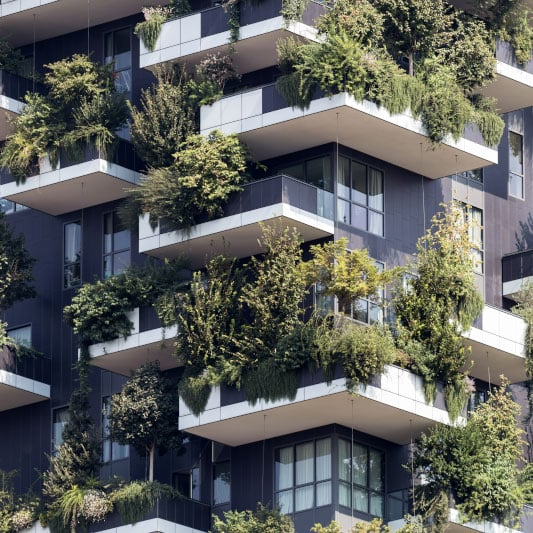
point(148, 30)
point(82, 108)
point(194, 189)
point(144, 413)
point(440, 304)
point(10, 59)
point(262, 520)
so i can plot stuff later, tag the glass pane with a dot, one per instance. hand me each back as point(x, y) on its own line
point(325, 203)
point(375, 314)
point(296, 171)
point(221, 483)
point(344, 460)
point(375, 480)
point(360, 500)
point(22, 336)
point(304, 498)
point(323, 459)
point(359, 216)
point(284, 501)
point(344, 494)
point(121, 262)
point(516, 185)
point(106, 450)
point(108, 47)
point(343, 211)
point(72, 242)
point(375, 223)
point(376, 504)
point(359, 183)
point(360, 310)
point(71, 275)
point(195, 483)
point(121, 237)
point(108, 266)
point(304, 463)
point(375, 189)
point(343, 178)
point(6, 206)
point(120, 451)
point(516, 153)
point(122, 41)
point(108, 233)
point(284, 468)
point(360, 460)
point(123, 81)
point(318, 172)
point(60, 420)
point(323, 493)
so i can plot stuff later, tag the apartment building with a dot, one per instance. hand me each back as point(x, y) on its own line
point(236, 453)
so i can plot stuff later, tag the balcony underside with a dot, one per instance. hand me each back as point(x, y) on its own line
point(72, 188)
point(512, 88)
point(398, 139)
point(9, 110)
point(17, 391)
point(255, 49)
point(382, 413)
point(124, 356)
point(235, 235)
point(58, 17)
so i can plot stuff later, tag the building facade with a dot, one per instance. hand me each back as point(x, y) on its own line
point(291, 452)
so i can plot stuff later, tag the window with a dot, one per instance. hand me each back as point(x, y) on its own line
point(315, 171)
point(111, 451)
point(71, 254)
point(303, 476)
point(22, 335)
point(473, 216)
point(188, 483)
point(469, 176)
point(360, 196)
point(7, 207)
point(361, 478)
point(221, 483)
point(117, 243)
point(60, 418)
point(516, 165)
point(369, 310)
point(118, 51)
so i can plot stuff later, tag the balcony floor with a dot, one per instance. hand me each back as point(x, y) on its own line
point(17, 391)
point(72, 188)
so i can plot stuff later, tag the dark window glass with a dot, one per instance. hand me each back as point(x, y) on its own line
point(72, 254)
point(221, 483)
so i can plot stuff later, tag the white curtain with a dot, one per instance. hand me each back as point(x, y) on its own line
point(304, 463)
point(375, 189)
point(284, 469)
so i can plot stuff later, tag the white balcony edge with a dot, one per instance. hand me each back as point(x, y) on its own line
point(242, 113)
point(25, 384)
point(11, 104)
point(53, 177)
point(153, 525)
point(16, 6)
point(400, 389)
point(501, 330)
point(513, 287)
point(188, 31)
point(513, 73)
point(152, 239)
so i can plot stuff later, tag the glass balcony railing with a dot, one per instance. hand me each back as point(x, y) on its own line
point(32, 367)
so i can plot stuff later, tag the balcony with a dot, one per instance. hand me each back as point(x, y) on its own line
point(148, 341)
point(58, 17)
point(513, 86)
point(392, 407)
point(23, 381)
point(75, 185)
point(189, 39)
point(295, 203)
point(270, 128)
point(12, 91)
point(455, 525)
point(517, 272)
point(497, 341)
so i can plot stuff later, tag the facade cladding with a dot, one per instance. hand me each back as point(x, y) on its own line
point(347, 171)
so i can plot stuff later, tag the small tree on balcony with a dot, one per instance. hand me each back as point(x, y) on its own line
point(145, 414)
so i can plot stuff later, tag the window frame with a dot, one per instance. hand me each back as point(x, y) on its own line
point(355, 204)
point(113, 253)
point(512, 173)
point(67, 264)
point(23, 326)
point(293, 489)
point(54, 446)
point(113, 447)
point(478, 249)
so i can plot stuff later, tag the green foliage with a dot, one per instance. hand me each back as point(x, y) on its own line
point(137, 498)
point(374, 526)
point(345, 274)
point(145, 413)
point(475, 464)
point(263, 520)
point(358, 53)
point(10, 59)
point(292, 10)
point(195, 391)
point(16, 513)
point(194, 188)
point(148, 30)
point(82, 108)
point(441, 303)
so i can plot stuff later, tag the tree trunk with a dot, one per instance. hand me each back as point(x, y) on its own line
point(411, 64)
point(151, 454)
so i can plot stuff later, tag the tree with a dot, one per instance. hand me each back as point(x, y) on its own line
point(263, 520)
point(415, 28)
point(145, 413)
